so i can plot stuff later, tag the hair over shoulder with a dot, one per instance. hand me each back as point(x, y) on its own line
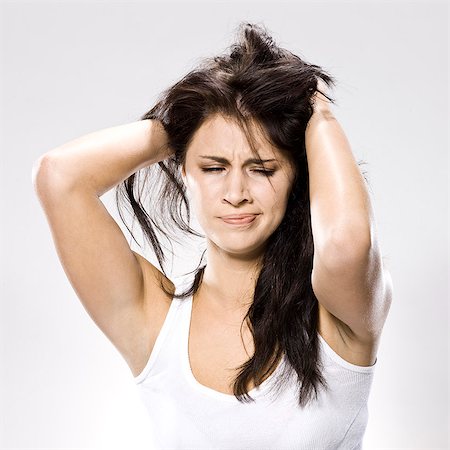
point(254, 82)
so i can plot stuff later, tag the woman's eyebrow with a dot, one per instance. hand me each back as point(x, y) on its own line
point(246, 162)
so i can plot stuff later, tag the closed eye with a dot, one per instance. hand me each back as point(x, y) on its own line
point(261, 171)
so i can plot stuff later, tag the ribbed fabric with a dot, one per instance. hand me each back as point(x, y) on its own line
point(185, 414)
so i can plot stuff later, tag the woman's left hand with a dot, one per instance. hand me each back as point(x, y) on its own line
point(321, 104)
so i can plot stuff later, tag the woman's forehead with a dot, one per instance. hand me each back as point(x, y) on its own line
point(223, 137)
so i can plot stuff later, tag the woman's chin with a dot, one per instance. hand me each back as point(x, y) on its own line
point(240, 247)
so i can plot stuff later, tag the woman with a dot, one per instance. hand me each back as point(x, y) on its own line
point(272, 343)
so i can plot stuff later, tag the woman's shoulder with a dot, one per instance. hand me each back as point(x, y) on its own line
point(348, 352)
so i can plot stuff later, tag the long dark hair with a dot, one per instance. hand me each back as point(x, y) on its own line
point(256, 81)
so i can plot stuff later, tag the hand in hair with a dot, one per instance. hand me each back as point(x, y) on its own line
point(321, 104)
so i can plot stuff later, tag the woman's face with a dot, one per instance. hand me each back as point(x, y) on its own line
point(221, 180)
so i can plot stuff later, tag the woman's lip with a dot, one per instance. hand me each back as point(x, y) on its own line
point(242, 221)
point(237, 216)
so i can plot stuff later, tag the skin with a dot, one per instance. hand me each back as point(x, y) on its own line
point(234, 254)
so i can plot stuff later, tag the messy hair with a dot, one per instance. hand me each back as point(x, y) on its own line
point(255, 82)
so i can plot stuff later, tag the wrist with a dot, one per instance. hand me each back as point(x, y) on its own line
point(319, 116)
point(159, 142)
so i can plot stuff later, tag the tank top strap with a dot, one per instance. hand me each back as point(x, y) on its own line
point(169, 343)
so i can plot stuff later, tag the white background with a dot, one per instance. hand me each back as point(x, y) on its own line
point(71, 68)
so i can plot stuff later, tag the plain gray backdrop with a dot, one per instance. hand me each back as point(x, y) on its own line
point(69, 68)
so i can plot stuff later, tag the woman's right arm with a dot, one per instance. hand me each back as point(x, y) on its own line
point(118, 288)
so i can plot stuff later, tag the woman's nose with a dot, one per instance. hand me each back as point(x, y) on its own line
point(236, 187)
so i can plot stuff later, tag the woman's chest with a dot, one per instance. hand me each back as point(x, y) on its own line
point(216, 349)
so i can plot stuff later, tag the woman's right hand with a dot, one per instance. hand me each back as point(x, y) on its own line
point(160, 140)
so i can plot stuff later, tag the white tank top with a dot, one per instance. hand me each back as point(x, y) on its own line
point(185, 414)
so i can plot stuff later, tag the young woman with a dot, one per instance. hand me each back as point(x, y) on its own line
point(272, 343)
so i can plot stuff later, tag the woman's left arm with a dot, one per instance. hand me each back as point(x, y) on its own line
point(348, 276)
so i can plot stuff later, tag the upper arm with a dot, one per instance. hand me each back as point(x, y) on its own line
point(107, 276)
point(356, 289)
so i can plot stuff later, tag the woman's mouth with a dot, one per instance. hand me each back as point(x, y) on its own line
point(240, 221)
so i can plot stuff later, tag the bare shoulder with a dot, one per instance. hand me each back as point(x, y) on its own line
point(341, 339)
point(153, 278)
point(155, 306)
